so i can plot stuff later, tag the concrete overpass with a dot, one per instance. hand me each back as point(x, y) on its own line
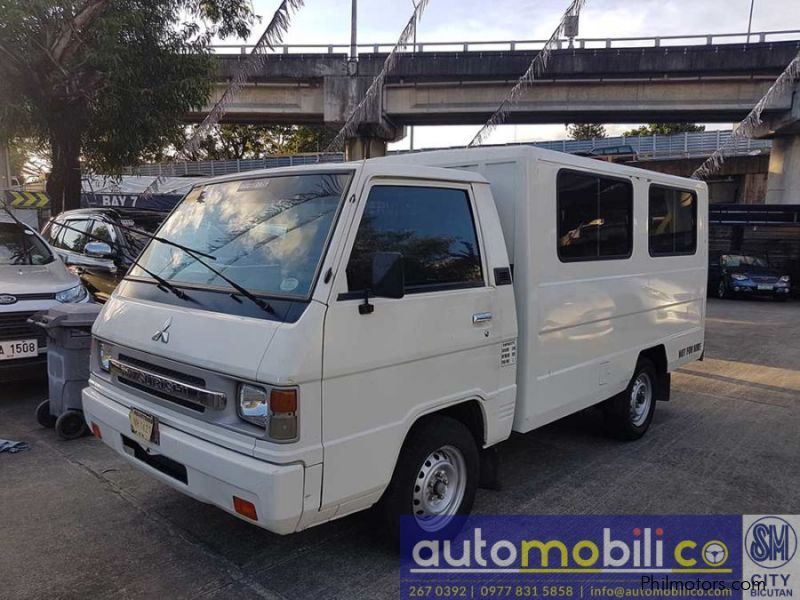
point(710, 82)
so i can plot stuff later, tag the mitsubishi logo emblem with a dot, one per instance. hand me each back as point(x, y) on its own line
point(162, 335)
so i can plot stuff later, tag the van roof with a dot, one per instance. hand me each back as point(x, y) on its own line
point(396, 165)
point(373, 166)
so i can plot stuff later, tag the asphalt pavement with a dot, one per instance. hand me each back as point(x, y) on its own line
point(76, 520)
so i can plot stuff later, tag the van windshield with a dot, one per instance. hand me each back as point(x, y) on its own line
point(267, 235)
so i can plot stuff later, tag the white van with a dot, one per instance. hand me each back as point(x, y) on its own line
point(346, 334)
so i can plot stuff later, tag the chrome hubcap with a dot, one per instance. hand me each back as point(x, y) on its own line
point(641, 399)
point(439, 488)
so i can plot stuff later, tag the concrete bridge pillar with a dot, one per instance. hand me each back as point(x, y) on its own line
point(365, 147)
point(783, 184)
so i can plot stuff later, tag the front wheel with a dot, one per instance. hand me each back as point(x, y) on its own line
point(435, 479)
point(629, 414)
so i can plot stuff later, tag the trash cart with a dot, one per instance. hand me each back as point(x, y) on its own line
point(69, 333)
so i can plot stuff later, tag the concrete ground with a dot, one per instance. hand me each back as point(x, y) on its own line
point(78, 521)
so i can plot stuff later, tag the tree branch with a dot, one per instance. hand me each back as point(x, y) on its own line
point(67, 41)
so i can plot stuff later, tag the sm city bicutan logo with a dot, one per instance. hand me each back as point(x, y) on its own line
point(770, 542)
point(637, 550)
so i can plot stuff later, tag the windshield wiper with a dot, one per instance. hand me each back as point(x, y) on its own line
point(163, 284)
point(196, 254)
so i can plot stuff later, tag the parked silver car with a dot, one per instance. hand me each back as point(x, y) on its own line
point(32, 278)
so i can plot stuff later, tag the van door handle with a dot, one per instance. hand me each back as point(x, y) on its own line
point(482, 317)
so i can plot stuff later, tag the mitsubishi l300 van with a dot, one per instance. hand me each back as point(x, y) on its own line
point(299, 344)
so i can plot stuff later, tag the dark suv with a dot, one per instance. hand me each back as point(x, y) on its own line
point(98, 245)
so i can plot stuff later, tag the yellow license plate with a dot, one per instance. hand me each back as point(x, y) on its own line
point(144, 426)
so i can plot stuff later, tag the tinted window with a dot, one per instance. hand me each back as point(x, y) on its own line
point(19, 246)
point(433, 229)
point(103, 232)
point(147, 224)
point(672, 222)
point(595, 217)
point(74, 240)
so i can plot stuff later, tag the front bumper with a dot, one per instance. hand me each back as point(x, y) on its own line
point(753, 289)
point(212, 474)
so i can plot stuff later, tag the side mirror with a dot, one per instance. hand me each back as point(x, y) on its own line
point(388, 275)
point(98, 250)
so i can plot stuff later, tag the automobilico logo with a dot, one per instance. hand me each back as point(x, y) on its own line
point(771, 542)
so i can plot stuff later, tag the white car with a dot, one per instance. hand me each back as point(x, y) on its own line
point(32, 279)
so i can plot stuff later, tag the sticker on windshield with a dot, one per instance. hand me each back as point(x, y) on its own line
point(289, 284)
point(127, 222)
point(253, 184)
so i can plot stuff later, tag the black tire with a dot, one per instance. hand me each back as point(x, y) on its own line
point(435, 434)
point(624, 420)
point(43, 416)
point(71, 425)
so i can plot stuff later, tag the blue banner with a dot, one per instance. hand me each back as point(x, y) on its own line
point(641, 556)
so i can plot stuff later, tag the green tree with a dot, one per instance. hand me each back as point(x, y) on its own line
point(665, 129)
point(104, 83)
point(586, 131)
point(236, 142)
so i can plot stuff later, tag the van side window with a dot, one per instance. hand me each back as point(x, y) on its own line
point(672, 226)
point(595, 217)
point(432, 227)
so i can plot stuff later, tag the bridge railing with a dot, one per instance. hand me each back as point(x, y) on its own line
point(649, 147)
point(522, 45)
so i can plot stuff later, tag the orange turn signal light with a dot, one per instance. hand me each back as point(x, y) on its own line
point(283, 401)
point(245, 508)
point(96, 431)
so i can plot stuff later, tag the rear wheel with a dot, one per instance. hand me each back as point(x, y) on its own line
point(435, 479)
point(43, 416)
point(629, 414)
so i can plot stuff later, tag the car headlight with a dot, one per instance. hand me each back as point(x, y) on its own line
point(739, 277)
point(104, 356)
point(785, 279)
point(274, 409)
point(72, 295)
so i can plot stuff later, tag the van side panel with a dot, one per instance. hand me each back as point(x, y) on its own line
point(582, 325)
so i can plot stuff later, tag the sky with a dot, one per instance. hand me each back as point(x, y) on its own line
point(328, 21)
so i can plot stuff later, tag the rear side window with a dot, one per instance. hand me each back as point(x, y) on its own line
point(432, 227)
point(672, 222)
point(595, 217)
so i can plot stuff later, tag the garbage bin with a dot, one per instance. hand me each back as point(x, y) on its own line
point(69, 332)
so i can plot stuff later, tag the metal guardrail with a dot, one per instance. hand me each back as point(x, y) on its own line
point(650, 147)
point(522, 45)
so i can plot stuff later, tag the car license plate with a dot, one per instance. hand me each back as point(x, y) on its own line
point(765, 286)
point(19, 349)
point(144, 426)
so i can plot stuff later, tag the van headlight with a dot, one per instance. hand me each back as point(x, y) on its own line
point(274, 409)
point(785, 279)
point(72, 295)
point(104, 356)
point(739, 277)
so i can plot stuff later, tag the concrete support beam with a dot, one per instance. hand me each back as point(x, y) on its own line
point(783, 185)
point(365, 147)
